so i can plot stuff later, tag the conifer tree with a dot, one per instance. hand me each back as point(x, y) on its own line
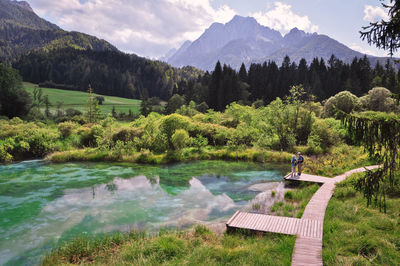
point(243, 73)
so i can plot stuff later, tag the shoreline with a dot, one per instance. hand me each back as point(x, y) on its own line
point(186, 155)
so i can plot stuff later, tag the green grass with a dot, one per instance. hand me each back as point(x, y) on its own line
point(78, 100)
point(357, 235)
point(338, 160)
point(197, 247)
point(296, 200)
point(184, 155)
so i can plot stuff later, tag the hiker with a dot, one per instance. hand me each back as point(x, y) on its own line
point(293, 161)
point(300, 161)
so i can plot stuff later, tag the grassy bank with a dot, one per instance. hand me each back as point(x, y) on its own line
point(185, 155)
point(79, 100)
point(197, 247)
point(357, 235)
point(295, 200)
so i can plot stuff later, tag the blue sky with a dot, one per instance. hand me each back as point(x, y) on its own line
point(150, 28)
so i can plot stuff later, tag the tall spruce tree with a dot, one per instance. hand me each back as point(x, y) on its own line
point(380, 134)
point(215, 90)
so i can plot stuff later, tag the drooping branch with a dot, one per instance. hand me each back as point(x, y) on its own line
point(385, 34)
point(379, 133)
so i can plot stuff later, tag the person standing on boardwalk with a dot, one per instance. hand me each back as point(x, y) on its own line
point(293, 161)
point(300, 161)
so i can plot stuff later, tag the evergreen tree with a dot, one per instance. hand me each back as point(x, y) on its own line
point(94, 113)
point(113, 112)
point(14, 100)
point(47, 106)
point(243, 73)
point(215, 90)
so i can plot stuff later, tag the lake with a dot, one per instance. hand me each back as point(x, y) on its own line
point(44, 204)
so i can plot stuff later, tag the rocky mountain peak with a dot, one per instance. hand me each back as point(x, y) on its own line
point(23, 4)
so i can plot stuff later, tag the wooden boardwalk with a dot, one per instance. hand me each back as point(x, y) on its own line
point(310, 178)
point(308, 229)
point(275, 224)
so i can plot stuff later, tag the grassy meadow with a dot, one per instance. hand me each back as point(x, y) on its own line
point(78, 100)
point(357, 235)
point(196, 247)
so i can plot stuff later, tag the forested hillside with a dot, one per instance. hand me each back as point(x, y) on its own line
point(21, 31)
point(109, 72)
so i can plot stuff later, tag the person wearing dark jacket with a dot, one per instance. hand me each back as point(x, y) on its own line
point(300, 161)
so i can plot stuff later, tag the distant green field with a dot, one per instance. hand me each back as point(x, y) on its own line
point(78, 100)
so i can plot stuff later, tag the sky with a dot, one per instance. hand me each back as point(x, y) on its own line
point(150, 28)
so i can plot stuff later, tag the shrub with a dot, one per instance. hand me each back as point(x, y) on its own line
point(170, 123)
point(66, 128)
point(378, 99)
point(289, 195)
point(4, 152)
point(180, 139)
point(90, 137)
point(71, 112)
point(199, 141)
point(188, 110)
point(174, 103)
point(202, 107)
point(322, 135)
point(16, 121)
point(126, 134)
point(80, 119)
point(344, 101)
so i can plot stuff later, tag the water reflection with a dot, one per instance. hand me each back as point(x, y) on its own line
point(47, 204)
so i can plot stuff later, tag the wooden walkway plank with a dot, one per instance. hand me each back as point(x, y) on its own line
point(309, 229)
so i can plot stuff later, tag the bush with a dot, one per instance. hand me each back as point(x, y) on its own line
point(180, 139)
point(199, 141)
point(344, 101)
point(288, 195)
point(322, 136)
point(378, 99)
point(66, 128)
point(16, 121)
point(5, 156)
point(170, 123)
point(91, 136)
point(174, 103)
point(126, 134)
point(202, 107)
point(71, 112)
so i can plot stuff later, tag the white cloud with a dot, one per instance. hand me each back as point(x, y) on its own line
point(147, 28)
point(281, 17)
point(362, 50)
point(374, 13)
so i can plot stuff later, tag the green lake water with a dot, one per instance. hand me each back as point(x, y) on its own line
point(43, 204)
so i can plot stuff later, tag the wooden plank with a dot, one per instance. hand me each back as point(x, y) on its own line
point(309, 229)
point(267, 224)
point(233, 217)
point(256, 219)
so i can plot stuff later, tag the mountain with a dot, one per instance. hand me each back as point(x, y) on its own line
point(243, 39)
point(23, 4)
point(45, 54)
point(21, 30)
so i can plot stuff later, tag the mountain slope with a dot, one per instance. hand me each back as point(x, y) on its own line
point(245, 40)
point(21, 30)
point(231, 42)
